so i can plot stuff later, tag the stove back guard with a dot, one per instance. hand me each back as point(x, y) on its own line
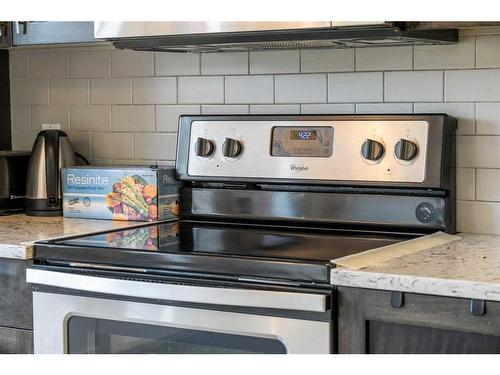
point(417, 207)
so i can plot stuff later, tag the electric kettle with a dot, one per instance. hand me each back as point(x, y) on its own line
point(51, 152)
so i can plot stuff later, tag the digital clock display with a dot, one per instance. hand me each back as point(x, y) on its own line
point(302, 141)
point(305, 135)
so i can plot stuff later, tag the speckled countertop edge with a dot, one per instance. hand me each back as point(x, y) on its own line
point(416, 284)
point(466, 268)
point(19, 232)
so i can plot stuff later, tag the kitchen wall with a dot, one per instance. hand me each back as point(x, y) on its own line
point(122, 106)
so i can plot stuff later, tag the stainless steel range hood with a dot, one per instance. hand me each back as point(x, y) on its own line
point(244, 36)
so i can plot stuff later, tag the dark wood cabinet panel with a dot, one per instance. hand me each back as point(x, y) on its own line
point(16, 303)
point(5, 131)
point(405, 339)
point(422, 324)
point(16, 341)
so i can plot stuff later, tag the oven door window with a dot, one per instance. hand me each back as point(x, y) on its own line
point(101, 336)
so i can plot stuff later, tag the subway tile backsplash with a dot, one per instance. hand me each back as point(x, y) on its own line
point(354, 87)
point(123, 106)
point(200, 89)
point(384, 58)
point(300, 88)
point(249, 89)
point(413, 86)
point(111, 91)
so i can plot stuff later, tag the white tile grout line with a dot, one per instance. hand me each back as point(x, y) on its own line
point(29, 120)
point(248, 63)
point(475, 117)
point(154, 118)
point(224, 89)
point(110, 114)
point(475, 183)
point(327, 79)
point(383, 87)
point(68, 114)
point(29, 65)
point(413, 57)
point(177, 90)
point(475, 52)
point(109, 63)
point(132, 84)
point(300, 61)
point(68, 66)
point(444, 85)
point(355, 60)
point(91, 151)
point(274, 89)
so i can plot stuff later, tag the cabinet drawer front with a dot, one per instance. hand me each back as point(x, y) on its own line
point(368, 323)
point(16, 341)
point(16, 306)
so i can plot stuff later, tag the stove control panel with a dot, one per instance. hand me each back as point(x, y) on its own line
point(336, 150)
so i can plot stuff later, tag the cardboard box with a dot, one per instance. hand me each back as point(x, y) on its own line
point(120, 193)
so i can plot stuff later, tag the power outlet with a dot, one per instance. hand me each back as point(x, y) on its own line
point(51, 126)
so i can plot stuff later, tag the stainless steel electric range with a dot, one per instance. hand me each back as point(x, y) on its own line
point(267, 203)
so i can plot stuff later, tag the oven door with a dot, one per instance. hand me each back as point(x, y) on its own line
point(65, 322)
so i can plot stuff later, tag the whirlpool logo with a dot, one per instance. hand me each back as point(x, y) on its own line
point(298, 168)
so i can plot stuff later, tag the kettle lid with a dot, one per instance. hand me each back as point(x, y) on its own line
point(58, 132)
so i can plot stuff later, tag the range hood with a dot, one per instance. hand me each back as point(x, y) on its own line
point(244, 36)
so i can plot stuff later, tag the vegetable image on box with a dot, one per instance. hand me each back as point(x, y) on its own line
point(133, 199)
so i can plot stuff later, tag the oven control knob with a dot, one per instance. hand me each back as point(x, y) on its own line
point(204, 147)
point(406, 150)
point(372, 150)
point(231, 148)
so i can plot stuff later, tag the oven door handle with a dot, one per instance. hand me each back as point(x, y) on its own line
point(314, 302)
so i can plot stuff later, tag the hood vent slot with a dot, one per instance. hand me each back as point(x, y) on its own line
point(304, 38)
point(295, 44)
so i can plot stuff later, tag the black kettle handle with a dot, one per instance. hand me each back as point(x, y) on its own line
point(52, 167)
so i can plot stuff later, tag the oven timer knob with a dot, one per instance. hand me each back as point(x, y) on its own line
point(204, 147)
point(425, 212)
point(372, 150)
point(231, 148)
point(406, 150)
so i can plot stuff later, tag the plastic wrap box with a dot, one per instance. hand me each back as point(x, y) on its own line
point(120, 193)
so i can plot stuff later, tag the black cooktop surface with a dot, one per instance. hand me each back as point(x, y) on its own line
point(224, 249)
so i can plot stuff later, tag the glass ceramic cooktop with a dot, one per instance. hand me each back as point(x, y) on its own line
point(233, 240)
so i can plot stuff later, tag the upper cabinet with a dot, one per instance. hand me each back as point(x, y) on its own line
point(5, 35)
point(26, 33)
point(51, 32)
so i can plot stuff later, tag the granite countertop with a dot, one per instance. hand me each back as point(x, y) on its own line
point(468, 267)
point(18, 232)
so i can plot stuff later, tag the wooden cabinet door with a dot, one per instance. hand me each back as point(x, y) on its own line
point(16, 306)
point(367, 323)
point(16, 341)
